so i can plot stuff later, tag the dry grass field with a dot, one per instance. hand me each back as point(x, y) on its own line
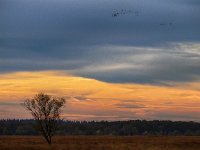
point(101, 143)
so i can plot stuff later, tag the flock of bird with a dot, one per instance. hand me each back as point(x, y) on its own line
point(117, 13)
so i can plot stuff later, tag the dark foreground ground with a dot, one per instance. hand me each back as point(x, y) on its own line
point(101, 143)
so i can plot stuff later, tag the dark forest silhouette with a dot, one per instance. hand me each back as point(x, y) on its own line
point(122, 128)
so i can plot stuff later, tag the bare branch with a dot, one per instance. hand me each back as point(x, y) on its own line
point(45, 110)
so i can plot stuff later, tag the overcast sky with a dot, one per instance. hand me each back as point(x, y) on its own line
point(152, 42)
point(149, 49)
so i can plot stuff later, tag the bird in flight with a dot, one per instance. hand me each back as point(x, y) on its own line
point(117, 13)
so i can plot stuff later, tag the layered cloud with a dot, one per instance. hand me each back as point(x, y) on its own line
point(89, 99)
point(159, 44)
point(143, 63)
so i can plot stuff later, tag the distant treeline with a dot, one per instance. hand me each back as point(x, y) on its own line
point(122, 128)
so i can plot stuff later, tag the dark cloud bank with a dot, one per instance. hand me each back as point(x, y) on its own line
point(159, 44)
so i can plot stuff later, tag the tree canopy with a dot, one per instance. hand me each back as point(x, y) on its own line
point(46, 111)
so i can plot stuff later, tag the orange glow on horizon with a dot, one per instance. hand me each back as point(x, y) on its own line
point(93, 99)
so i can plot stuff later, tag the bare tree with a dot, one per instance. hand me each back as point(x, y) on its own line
point(46, 112)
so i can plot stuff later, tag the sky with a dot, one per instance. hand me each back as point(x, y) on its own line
point(111, 60)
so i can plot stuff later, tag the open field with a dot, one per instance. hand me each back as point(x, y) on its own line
point(101, 143)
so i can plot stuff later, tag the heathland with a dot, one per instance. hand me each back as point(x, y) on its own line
point(101, 143)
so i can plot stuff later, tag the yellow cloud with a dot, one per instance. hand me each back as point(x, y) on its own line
point(89, 97)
